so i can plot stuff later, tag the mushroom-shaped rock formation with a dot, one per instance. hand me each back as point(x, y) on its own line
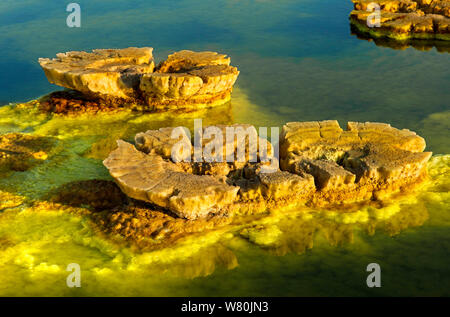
point(149, 177)
point(405, 19)
point(363, 162)
point(186, 80)
point(321, 164)
point(104, 72)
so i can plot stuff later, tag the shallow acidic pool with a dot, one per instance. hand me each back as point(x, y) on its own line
point(298, 62)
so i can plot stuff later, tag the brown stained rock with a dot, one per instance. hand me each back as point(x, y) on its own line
point(149, 177)
point(125, 78)
point(366, 160)
point(148, 228)
point(20, 152)
point(111, 72)
point(405, 19)
point(261, 190)
point(442, 25)
point(73, 102)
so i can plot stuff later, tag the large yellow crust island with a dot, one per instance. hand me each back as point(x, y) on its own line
point(320, 164)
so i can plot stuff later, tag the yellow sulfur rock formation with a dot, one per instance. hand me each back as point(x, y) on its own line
point(110, 72)
point(149, 177)
point(186, 77)
point(186, 80)
point(321, 164)
point(364, 162)
point(405, 19)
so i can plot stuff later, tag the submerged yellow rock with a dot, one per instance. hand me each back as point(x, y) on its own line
point(19, 152)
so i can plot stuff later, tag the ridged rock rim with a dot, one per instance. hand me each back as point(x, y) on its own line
point(185, 80)
point(320, 165)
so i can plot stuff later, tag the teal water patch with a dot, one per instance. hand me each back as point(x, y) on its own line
point(298, 60)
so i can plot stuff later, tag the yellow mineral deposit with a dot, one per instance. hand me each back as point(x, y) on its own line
point(321, 164)
point(405, 19)
point(111, 78)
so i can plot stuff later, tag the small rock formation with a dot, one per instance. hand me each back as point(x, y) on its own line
point(149, 177)
point(109, 72)
point(320, 164)
point(20, 152)
point(365, 162)
point(186, 80)
point(190, 78)
point(405, 19)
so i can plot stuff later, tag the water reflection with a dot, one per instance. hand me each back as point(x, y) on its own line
point(284, 232)
point(299, 230)
point(421, 45)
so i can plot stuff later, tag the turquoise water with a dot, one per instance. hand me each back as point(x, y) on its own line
point(298, 62)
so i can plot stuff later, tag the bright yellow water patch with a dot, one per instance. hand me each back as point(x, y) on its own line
point(38, 241)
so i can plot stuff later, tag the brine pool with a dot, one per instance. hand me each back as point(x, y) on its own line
point(298, 62)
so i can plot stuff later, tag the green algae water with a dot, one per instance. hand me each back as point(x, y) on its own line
point(298, 62)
